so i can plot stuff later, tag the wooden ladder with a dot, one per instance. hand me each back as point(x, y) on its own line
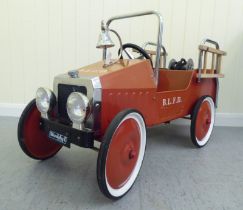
point(215, 69)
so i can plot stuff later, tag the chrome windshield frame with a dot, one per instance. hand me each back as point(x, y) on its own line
point(159, 39)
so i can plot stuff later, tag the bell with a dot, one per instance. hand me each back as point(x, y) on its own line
point(105, 40)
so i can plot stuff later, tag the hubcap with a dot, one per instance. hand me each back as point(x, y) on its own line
point(123, 153)
point(203, 121)
point(35, 140)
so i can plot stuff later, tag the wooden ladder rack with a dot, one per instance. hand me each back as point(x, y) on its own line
point(215, 69)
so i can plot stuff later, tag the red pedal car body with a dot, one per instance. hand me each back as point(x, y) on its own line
point(107, 106)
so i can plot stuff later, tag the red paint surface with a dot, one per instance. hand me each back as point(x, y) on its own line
point(203, 120)
point(35, 140)
point(134, 87)
point(123, 153)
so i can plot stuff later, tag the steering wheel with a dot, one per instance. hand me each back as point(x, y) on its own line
point(135, 49)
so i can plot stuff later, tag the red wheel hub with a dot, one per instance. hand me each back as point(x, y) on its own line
point(123, 153)
point(35, 140)
point(203, 121)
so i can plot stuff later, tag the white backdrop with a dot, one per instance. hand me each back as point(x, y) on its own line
point(42, 38)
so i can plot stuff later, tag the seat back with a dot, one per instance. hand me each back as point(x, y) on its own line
point(170, 80)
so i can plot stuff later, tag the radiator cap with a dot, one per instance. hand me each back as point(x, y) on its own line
point(73, 73)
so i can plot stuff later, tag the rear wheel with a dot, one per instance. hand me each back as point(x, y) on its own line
point(202, 123)
point(32, 140)
point(121, 154)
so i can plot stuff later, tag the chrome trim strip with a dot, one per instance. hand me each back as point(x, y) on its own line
point(97, 89)
point(96, 105)
point(200, 66)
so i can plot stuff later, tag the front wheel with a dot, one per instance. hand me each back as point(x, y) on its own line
point(202, 123)
point(32, 140)
point(121, 154)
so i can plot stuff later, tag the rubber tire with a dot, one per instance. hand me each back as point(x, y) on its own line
point(101, 160)
point(193, 122)
point(22, 119)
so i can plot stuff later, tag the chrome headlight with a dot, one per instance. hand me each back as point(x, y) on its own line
point(78, 107)
point(45, 100)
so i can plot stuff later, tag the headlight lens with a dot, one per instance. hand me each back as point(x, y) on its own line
point(45, 99)
point(77, 107)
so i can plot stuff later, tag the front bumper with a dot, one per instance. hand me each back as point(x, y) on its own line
point(66, 135)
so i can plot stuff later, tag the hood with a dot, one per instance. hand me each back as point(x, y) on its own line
point(89, 76)
point(97, 69)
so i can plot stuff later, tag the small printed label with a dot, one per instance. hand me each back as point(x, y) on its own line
point(171, 101)
point(58, 137)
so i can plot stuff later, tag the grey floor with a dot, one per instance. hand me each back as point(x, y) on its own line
point(174, 174)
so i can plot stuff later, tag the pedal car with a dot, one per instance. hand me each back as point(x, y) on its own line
point(107, 106)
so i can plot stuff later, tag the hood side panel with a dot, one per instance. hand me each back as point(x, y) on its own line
point(130, 88)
